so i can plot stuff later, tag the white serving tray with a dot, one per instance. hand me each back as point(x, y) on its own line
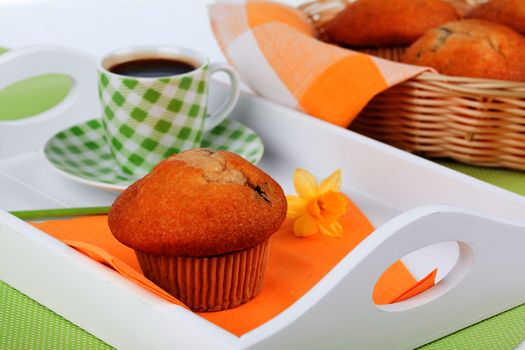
point(413, 202)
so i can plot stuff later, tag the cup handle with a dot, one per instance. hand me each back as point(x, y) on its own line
point(225, 109)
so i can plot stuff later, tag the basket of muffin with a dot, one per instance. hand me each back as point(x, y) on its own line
point(471, 107)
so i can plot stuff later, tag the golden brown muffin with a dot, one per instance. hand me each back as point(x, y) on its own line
point(507, 12)
point(471, 48)
point(372, 23)
point(200, 221)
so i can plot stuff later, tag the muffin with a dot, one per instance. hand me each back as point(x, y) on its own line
point(372, 23)
point(507, 12)
point(200, 224)
point(471, 48)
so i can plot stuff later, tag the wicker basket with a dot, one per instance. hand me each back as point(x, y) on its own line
point(472, 120)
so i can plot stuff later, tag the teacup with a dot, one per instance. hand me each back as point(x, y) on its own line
point(154, 101)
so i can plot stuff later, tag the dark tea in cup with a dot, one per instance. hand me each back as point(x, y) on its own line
point(152, 67)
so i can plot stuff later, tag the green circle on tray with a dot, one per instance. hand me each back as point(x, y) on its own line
point(43, 92)
point(32, 96)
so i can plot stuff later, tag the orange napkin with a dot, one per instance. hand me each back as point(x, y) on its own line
point(295, 265)
point(273, 46)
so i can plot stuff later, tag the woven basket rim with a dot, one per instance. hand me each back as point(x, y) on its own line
point(468, 80)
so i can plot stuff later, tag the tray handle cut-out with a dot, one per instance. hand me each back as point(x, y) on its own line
point(484, 282)
point(80, 104)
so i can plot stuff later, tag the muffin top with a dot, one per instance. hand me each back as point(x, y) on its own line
point(369, 23)
point(471, 48)
point(508, 12)
point(199, 203)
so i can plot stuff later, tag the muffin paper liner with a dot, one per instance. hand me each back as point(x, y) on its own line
point(211, 283)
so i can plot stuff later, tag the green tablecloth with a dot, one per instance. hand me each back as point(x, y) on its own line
point(25, 324)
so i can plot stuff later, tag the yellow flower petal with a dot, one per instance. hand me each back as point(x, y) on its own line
point(331, 183)
point(305, 184)
point(296, 206)
point(305, 226)
point(332, 229)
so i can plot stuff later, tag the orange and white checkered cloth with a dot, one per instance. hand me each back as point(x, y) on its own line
point(273, 46)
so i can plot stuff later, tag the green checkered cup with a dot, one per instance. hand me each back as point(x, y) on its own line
point(155, 103)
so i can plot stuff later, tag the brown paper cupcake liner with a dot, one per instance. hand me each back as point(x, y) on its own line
point(211, 283)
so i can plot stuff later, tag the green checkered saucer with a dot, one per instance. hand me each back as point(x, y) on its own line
point(82, 154)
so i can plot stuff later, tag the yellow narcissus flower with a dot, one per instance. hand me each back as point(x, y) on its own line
point(317, 207)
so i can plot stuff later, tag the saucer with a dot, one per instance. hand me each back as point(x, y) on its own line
point(81, 153)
